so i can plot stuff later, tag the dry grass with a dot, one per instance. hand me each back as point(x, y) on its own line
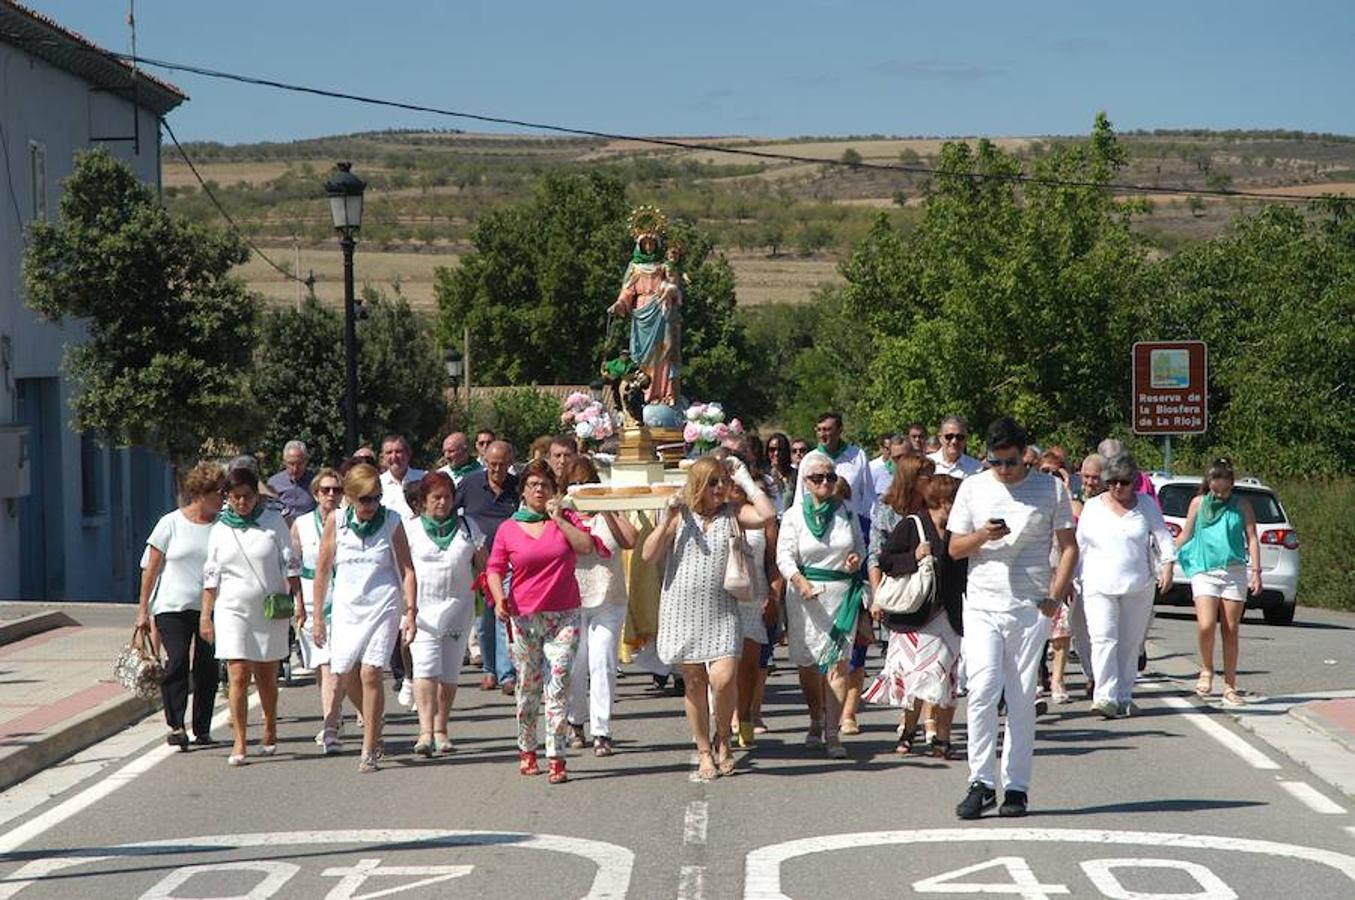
point(871, 151)
point(759, 280)
point(177, 173)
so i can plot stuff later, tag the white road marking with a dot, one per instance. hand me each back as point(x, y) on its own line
point(21, 834)
point(762, 868)
point(612, 881)
point(691, 883)
point(695, 822)
point(355, 877)
point(1101, 872)
point(1312, 798)
point(1238, 745)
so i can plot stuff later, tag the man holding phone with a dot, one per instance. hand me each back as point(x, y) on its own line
point(1004, 521)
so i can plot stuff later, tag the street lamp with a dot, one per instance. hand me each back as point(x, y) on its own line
point(345, 207)
point(455, 367)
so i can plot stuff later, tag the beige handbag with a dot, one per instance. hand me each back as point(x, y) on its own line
point(909, 593)
point(738, 568)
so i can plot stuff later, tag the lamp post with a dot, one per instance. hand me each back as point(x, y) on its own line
point(455, 366)
point(345, 207)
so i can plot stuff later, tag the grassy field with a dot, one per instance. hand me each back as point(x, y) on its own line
point(759, 279)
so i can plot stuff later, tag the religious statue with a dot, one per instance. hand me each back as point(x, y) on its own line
point(651, 294)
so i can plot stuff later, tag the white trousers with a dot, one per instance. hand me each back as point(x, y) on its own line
point(1082, 642)
point(593, 678)
point(1002, 653)
point(1118, 624)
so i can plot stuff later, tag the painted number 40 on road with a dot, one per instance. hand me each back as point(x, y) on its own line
point(1103, 874)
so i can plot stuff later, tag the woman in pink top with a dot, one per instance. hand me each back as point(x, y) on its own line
point(540, 544)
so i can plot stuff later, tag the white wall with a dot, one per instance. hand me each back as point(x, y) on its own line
point(41, 103)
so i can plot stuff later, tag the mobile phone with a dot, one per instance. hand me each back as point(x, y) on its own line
point(1000, 523)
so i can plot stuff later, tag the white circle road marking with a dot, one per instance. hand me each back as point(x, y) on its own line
point(762, 869)
point(614, 863)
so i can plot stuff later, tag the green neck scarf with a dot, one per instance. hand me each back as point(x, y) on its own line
point(371, 526)
point(440, 533)
point(1211, 508)
point(818, 516)
point(642, 258)
point(234, 520)
point(890, 467)
point(841, 449)
point(524, 514)
point(472, 466)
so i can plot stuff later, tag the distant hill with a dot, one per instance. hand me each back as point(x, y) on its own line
point(784, 224)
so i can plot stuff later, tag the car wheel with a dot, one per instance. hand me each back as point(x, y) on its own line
point(1279, 614)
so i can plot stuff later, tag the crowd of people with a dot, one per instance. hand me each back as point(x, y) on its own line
point(980, 578)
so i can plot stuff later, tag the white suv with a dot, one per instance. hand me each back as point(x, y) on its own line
point(1279, 542)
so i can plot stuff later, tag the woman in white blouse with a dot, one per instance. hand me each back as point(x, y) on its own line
point(1117, 534)
point(249, 556)
point(448, 549)
point(603, 599)
point(819, 551)
point(171, 592)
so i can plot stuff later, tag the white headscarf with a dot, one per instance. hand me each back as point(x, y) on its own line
point(811, 462)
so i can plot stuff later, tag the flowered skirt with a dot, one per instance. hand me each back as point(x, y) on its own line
point(919, 665)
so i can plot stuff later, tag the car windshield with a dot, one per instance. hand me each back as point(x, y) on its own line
point(1176, 497)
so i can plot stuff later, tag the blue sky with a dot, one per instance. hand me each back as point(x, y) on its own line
point(753, 67)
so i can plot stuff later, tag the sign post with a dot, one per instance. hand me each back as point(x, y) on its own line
point(1171, 390)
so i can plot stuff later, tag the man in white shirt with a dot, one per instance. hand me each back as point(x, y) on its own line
point(456, 450)
point(1004, 522)
point(881, 467)
point(395, 457)
point(850, 463)
point(951, 459)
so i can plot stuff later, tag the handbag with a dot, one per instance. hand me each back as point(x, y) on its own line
point(137, 668)
point(275, 605)
point(738, 570)
point(904, 594)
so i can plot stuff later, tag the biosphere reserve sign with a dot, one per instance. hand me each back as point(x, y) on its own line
point(1171, 387)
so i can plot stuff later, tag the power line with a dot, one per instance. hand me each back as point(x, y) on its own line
point(1016, 177)
point(221, 209)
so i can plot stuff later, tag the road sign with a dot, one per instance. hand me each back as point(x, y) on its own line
point(1171, 387)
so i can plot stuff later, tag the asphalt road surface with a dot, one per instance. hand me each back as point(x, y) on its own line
point(1174, 802)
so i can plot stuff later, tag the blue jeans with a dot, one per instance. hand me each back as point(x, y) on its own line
point(494, 657)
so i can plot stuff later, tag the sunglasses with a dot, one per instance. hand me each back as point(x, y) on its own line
point(955, 437)
point(330, 490)
point(1118, 482)
point(799, 451)
point(821, 477)
point(716, 483)
point(998, 462)
point(1049, 471)
point(369, 500)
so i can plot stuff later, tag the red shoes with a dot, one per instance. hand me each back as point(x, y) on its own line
point(527, 764)
point(557, 771)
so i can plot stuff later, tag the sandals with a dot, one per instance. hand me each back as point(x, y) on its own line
point(1204, 685)
point(423, 747)
point(904, 747)
point(367, 763)
point(527, 764)
point(850, 726)
point(557, 773)
point(442, 743)
point(705, 769)
point(1231, 697)
point(814, 738)
point(576, 740)
point(725, 763)
point(602, 746)
point(942, 749)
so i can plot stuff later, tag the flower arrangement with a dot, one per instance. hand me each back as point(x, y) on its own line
point(706, 426)
point(591, 422)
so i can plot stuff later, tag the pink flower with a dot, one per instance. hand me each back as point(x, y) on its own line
point(721, 431)
point(692, 433)
point(735, 426)
point(566, 417)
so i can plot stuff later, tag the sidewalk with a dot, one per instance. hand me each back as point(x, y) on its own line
point(57, 694)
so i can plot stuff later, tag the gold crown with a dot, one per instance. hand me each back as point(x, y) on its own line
point(648, 220)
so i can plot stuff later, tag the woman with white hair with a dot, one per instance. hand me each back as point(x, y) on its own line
point(819, 551)
point(1115, 536)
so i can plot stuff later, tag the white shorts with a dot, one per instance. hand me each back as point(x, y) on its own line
point(1229, 583)
point(439, 656)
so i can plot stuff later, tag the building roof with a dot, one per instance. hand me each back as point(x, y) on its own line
point(42, 37)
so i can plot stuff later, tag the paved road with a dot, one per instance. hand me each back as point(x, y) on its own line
point(1175, 802)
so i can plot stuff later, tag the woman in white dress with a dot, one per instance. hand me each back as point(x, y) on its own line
point(326, 488)
point(819, 552)
point(448, 550)
point(602, 615)
point(249, 556)
point(171, 593)
point(698, 618)
point(363, 551)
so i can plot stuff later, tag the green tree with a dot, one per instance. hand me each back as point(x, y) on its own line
point(851, 157)
point(170, 329)
point(298, 383)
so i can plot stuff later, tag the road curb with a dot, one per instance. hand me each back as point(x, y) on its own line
point(26, 627)
point(1320, 725)
point(104, 721)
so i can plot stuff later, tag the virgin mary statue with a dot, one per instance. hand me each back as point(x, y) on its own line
point(651, 294)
